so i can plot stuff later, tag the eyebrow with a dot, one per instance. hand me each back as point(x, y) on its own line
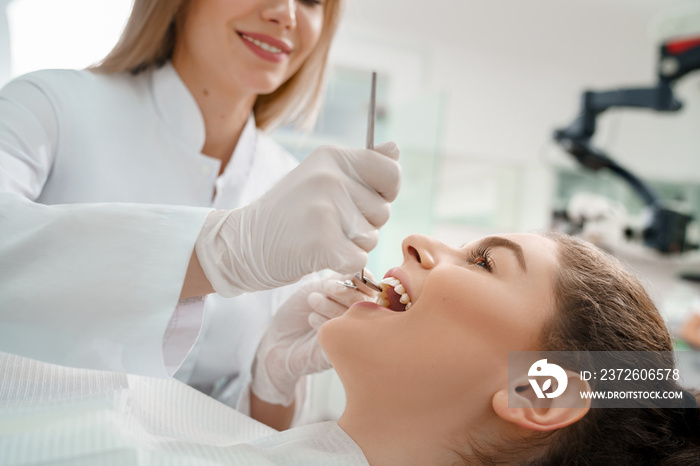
point(500, 242)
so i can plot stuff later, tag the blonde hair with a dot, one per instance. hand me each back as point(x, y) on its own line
point(149, 38)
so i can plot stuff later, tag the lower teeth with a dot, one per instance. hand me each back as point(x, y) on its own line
point(383, 302)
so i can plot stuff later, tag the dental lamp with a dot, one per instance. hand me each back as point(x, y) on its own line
point(665, 229)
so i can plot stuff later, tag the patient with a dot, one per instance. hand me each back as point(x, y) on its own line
point(429, 385)
point(426, 379)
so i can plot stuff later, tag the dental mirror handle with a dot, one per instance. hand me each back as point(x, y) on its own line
point(370, 145)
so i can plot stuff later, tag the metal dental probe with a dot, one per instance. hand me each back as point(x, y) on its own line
point(368, 281)
point(370, 145)
point(370, 115)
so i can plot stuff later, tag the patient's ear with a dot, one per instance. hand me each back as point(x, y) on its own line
point(527, 410)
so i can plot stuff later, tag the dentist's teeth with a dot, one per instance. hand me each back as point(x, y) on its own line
point(404, 299)
point(399, 289)
point(391, 281)
point(262, 45)
point(408, 306)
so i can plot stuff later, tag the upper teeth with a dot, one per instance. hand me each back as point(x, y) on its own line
point(262, 45)
point(398, 288)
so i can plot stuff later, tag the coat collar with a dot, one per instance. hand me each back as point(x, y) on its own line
point(177, 107)
point(179, 110)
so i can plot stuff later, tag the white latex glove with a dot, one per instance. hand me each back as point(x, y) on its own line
point(324, 215)
point(289, 349)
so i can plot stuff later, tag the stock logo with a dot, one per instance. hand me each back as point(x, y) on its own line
point(542, 368)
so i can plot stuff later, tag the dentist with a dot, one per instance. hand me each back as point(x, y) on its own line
point(131, 189)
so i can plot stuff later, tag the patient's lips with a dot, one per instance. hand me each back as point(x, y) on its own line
point(394, 295)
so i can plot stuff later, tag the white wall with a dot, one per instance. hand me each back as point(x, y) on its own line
point(513, 71)
point(57, 33)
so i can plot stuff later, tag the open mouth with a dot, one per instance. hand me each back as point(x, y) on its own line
point(394, 295)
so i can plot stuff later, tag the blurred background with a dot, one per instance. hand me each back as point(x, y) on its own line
point(473, 91)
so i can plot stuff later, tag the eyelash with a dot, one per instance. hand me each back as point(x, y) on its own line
point(312, 2)
point(482, 255)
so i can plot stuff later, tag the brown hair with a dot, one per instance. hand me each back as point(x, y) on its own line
point(602, 307)
point(149, 38)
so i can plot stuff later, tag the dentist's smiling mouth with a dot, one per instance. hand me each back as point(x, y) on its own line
point(263, 45)
point(394, 295)
point(266, 47)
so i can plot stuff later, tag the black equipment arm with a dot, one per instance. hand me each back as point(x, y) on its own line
point(666, 232)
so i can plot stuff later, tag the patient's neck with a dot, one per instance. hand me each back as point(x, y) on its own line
point(427, 435)
point(388, 444)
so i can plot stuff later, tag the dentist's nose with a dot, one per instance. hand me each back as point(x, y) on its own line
point(420, 248)
point(281, 12)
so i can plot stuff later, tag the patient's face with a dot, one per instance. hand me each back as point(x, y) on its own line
point(469, 307)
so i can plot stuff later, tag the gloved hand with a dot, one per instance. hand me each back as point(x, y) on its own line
point(289, 349)
point(324, 215)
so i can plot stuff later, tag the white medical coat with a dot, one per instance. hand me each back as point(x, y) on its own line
point(103, 191)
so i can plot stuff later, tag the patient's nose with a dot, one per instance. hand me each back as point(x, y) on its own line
point(421, 249)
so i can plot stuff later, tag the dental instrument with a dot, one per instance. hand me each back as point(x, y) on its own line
point(347, 284)
point(370, 145)
point(368, 281)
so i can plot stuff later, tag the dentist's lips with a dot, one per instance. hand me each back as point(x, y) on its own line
point(266, 47)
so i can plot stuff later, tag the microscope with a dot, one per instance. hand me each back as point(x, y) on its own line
point(665, 231)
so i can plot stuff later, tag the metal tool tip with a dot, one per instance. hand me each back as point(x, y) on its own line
point(368, 281)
